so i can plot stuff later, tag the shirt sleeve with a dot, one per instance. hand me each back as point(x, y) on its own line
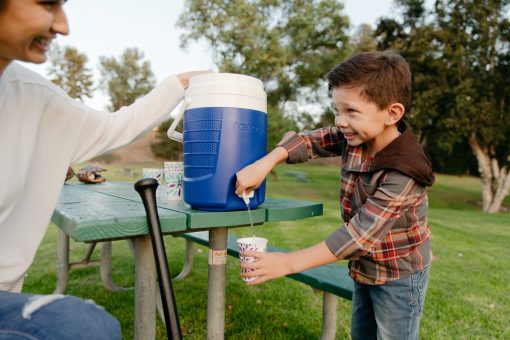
point(324, 142)
point(91, 132)
point(393, 198)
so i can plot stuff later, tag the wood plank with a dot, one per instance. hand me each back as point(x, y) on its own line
point(90, 216)
point(271, 211)
point(286, 210)
point(196, 219)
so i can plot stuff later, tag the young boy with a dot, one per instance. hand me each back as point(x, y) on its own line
point(385, 234)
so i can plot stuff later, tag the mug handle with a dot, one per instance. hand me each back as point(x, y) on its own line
point(171, 133)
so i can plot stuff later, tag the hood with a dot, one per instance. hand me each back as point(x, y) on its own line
point(405, 155)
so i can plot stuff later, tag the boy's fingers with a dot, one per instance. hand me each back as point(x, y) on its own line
point(251, 253)
point(261, 279)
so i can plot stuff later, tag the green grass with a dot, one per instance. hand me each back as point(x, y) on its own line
point(468, 295)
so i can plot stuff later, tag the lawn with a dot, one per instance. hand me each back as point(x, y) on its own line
point(468, 291)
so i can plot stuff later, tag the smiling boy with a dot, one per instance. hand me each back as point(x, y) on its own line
point(385, 233)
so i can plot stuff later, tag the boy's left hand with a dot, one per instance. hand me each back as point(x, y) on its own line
point(267, 266)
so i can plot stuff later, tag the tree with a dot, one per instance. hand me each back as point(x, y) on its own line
point(125, 79)
point(290, 45)
point(363, 39)
point(460, 63)
point(68, 70)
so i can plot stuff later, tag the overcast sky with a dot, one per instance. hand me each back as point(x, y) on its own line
point(107, 27)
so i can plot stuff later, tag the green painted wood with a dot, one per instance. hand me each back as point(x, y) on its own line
point(287, 210)
point(271, 210)
point(196, 219)
point(114, 210)
point(89, 216)
point(331, 278)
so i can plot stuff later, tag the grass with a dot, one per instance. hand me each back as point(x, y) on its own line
point(468, 290)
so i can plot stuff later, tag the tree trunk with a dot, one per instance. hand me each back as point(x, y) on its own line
point(501, 192)
point(495, 179)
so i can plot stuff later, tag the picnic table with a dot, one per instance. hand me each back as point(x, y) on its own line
point(114, 211)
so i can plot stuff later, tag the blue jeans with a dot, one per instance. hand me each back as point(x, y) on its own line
point(54, 317)
point(391, 310)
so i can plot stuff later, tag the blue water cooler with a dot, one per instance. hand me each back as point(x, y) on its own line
point(225, 129)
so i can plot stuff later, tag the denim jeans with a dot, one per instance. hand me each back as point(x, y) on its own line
point(54, 317)
point(391, 310)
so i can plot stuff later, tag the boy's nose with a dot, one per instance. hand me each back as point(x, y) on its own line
point(340, 121)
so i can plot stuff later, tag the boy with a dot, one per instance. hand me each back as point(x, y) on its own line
point(385, 235)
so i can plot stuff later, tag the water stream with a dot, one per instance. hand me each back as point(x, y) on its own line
point(246, 200)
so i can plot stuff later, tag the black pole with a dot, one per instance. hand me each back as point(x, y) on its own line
point(147, 189)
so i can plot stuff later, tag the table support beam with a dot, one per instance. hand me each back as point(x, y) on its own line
point(216, 283)
point(145, 290)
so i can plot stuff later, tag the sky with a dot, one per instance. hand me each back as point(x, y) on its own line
point(108, 27)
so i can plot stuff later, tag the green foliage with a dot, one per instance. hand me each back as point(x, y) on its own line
point(459, 58)
point(68, 71)
point(165, 147)
point(289, 45)
point(125, 79)
point(363, 40)
point(277, 123)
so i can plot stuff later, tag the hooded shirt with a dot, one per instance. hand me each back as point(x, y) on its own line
point(385, 233)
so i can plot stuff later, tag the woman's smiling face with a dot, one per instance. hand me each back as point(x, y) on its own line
point(27, 28)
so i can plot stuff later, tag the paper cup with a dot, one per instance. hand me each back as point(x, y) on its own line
point(250, 244)
point(157, 174)
point(173, 180)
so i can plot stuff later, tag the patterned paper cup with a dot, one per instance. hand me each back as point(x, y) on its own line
point(157, 174)
point(250, 244)
point(173, 178)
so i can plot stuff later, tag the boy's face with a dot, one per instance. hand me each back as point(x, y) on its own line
point(359, 120)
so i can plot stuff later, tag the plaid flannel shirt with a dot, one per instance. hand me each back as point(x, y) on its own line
point(385, 234)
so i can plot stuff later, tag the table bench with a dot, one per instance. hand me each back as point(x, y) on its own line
point(333, 280)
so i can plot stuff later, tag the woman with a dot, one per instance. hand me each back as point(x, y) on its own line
point(43, 132)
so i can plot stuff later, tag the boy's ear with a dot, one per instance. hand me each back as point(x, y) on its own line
point(395, 113)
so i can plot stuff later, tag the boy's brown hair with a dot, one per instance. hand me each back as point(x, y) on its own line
point(384, 77)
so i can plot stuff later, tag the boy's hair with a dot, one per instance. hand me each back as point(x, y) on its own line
point(384, 77)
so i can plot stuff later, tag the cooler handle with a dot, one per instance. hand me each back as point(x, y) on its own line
point(171, 133)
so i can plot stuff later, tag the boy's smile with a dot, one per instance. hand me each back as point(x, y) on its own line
point(362, 121)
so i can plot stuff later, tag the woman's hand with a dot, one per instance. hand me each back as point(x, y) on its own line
point(186, 76)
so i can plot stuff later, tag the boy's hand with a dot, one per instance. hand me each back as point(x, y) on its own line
point(267, 266)
point(252, 176)
point(270, 266)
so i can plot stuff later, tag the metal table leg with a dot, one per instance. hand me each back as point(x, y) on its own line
point(216, 283)
point(329, 316)
point(106, 268)
point(145, 290)
point(62, 262)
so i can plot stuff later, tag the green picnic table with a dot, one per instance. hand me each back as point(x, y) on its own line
point(114, 211)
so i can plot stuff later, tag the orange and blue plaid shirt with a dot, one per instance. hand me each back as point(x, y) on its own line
point(385, 234)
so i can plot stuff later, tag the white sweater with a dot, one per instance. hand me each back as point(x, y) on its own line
point(42, 132)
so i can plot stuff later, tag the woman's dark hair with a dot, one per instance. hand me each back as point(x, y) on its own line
point(3, 4)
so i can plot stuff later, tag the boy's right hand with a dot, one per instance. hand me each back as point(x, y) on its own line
point(252, 176)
